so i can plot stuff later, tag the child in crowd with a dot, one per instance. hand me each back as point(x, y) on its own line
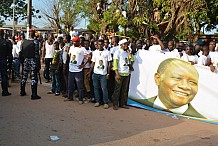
point(55, 71)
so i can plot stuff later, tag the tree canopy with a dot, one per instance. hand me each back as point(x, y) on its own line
point(169, 18)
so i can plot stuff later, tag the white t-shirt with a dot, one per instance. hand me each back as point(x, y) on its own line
point(88, 65)
point(19, 44)
point(76, 58)
point(188, 58)
point(155, 48)
point(114, 49)
point(101, 59)
point(173, 54)
point(64, 55)
point(49, 50)
point(15, 51)
point(123, 60)
point(202, 60)
point(214, 58)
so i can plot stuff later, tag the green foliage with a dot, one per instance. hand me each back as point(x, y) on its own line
point(133, 34)
point(122, 21)
point(94, 25)
point(189, 16)
point(6, 10)
point(69, 13)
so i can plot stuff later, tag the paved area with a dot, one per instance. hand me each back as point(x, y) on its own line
point(24, 122)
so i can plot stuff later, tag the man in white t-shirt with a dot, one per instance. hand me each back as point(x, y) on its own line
point(86, 70)
point(188, 57)
point(76, 65)
point(114, 42)
point(64, 64)
point(157, 44)
point(116, 46)
point(213, 61)
point(121, 60)
point(101, 62)
point(204, 57)
point(47, 55)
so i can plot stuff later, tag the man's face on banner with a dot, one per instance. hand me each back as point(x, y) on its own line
point(177, 85)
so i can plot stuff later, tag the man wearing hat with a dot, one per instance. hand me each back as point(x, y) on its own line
point(76, 65)
point(121, 60)
point(5, 58)
point(31, 63)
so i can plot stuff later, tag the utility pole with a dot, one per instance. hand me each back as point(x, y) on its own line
point(29, 17)
point(13, 7)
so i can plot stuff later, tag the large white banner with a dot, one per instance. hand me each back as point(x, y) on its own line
point(203, 90)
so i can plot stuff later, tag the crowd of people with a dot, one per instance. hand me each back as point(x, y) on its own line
point(98, 69)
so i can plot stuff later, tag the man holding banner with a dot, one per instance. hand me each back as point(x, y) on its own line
point(177, 83)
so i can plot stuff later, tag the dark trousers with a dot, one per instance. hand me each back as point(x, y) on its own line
point(55, 81)
point(120, 95)
point(4, 76)
point(110, 84)
point(65, 72)
point(75, 78)
point(47, 67)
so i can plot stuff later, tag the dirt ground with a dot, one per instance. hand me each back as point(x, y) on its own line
point(24, 122)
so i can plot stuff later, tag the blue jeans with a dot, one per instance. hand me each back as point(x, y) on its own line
point(75, 78)
point(100, 81)
point(16, 67)
point(55, 81)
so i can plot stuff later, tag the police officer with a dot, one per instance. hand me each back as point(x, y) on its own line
point(30, 58)
point(5, 60)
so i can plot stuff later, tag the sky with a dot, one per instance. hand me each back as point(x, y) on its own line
point(39, 4)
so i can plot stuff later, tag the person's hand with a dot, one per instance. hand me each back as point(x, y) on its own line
point(128, 51)
point(81, 66)
point(88, 74)
point(154, 37)
point(108, 76)
point(118, 77)
point(56, 71)
point(192, 63)
point(212, 68)
point(43, 60)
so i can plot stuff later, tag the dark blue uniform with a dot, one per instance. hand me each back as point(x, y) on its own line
point(5, 62)
point(31, 63)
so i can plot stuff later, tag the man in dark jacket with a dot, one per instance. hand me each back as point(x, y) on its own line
point(31, 63)
point(5, 60)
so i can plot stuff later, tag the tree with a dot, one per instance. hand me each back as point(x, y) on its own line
point(6, 10)
point(169, 18)
point(62, 14)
